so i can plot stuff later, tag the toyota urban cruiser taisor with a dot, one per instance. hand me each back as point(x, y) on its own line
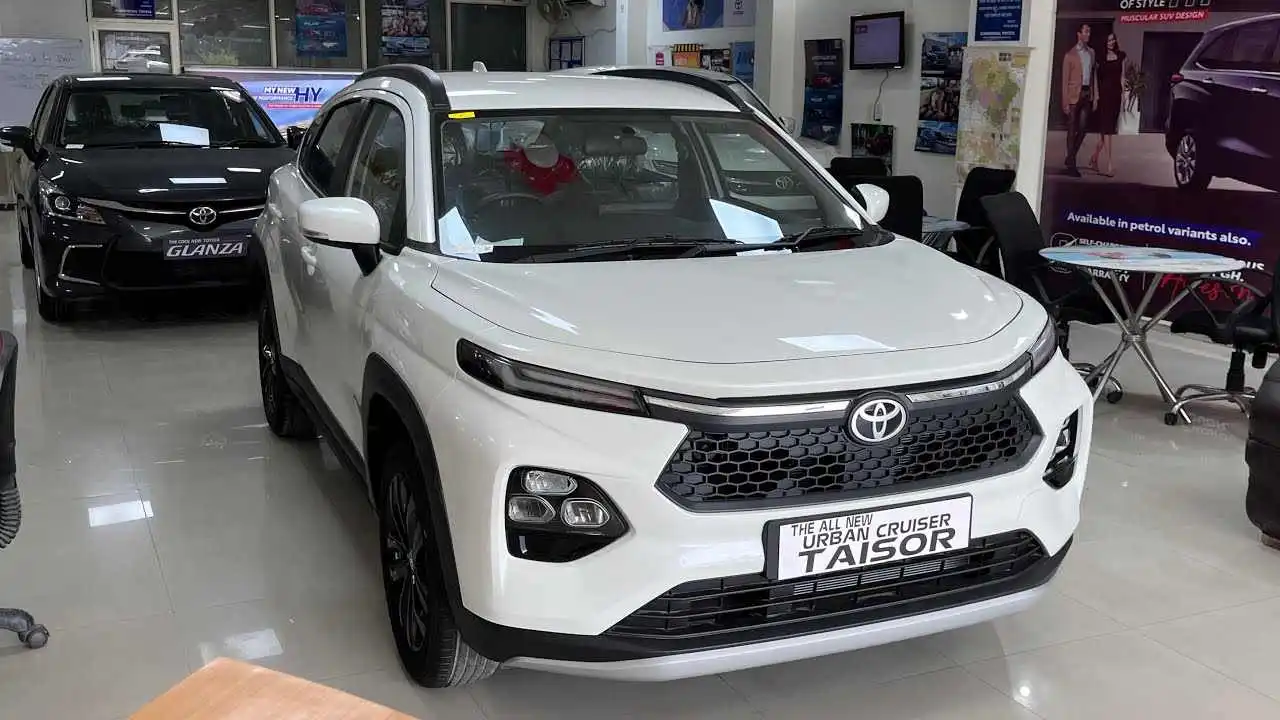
point(639, 392)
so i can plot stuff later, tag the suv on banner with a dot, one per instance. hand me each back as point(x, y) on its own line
point(623, 414)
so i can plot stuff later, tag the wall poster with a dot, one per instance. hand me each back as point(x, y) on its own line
point(1135, 155)
point(744, 62)
point(715, 59)
point(693, 14)
point(321, 28)
point(404, 28)
point(823, 90)
point(872, 140)
point(941, 63)
point(687, 55)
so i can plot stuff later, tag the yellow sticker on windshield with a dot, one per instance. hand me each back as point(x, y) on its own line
point(462, 115)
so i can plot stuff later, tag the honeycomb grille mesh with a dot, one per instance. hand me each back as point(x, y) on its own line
point(778, 465)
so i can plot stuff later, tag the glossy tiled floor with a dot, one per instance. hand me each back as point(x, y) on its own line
point(166, 526)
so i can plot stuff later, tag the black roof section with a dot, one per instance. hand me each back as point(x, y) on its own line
point(161, 81)
point(714, 85)
point(423, 78)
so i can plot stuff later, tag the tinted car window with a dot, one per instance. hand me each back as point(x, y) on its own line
point(321, 159)
point(41, 119)
point(1247, 47)
point(217, 117)
point(377, 170)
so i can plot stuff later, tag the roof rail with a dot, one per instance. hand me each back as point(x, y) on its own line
point(672, 74)
point(423, 78)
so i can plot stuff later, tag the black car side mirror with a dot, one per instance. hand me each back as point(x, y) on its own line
point(19, 137)
point(293, 136)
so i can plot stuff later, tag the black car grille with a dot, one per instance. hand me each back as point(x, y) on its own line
point(737, 468)
point(989, 567)
point(126, 270)
point(177, 212)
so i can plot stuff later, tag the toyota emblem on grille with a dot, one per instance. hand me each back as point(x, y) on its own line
point(784, 182)
point(878, 420)
point(202, 216)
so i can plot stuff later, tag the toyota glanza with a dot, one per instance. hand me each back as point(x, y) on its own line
point(140, 183)
point(628, 406)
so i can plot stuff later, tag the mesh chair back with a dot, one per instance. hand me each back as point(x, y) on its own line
point(1019, 236)
point(981, 182)
point(906, 203)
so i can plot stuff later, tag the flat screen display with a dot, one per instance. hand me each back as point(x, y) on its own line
point(877, 41)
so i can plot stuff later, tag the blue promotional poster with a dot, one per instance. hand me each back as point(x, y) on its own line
point(744, 62)
point(290, 98)
point(998, 21)
point(941, 62)
point(692, 14)
point(134, 9)
point(321, 28)
point(823, 90)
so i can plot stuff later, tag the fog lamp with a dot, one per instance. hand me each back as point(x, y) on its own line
point(546, 482)
point(583, 513)
point(529, 509)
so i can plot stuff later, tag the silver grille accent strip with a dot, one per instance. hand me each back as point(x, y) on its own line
point(751, 411)
point(62, 275)
point(113, 205)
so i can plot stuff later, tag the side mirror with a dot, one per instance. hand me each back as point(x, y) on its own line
point(788, 124)
point(343, 222)
point(876, 198)
point(293, 136)
point(19, 137)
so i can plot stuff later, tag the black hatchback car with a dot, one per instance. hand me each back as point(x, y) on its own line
point(1222, 107)
point(140, 183)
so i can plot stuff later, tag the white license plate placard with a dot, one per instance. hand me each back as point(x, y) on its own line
point(823, 544)
point(199, 248)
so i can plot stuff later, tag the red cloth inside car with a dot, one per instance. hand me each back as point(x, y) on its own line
point(543, 181)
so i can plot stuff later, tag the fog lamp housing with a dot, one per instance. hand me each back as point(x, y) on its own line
point(1062, 463)
point(555, 516)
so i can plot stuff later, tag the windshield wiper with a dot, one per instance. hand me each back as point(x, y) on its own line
point(692, 247)
point(142, 144)
point(818, 235)
point(246, 143)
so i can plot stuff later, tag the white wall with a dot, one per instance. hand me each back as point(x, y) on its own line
point(900, 101)
point(599, 25)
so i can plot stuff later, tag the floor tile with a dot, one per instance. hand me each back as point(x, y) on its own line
point(1120, 676)
point(513, 694)
point(1239, 643)
point(392, 689)
point(951, 694)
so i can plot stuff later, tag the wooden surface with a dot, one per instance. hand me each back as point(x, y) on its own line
point(226, 689)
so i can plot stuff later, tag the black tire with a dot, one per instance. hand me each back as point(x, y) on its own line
point(1190, 168)
point(431, 648)
point(286, 415)
point(52, 309)
point(1171, 419)
point(24, 248)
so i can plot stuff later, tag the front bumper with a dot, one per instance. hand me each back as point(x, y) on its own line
point(544, 614)
point(78, 260)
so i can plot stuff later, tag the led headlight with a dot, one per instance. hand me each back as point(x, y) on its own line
point(59, 204)
point(1045, 347)
point(540, 383)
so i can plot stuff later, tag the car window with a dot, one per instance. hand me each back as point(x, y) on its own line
point(1218, 53)
point(217, 117)
point(320, 161)
point(591, 176)
point(1251, 50)
point(378, 167)
point(40, 121)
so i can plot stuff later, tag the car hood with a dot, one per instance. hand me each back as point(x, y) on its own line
point(165, 174)
point(757, 308)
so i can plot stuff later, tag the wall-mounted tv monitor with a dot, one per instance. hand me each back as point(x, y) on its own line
point(877, 42)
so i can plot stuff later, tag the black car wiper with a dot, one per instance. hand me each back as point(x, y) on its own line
point(142, 144)
point(246, 143)
point(818, 235)
point(691, 247)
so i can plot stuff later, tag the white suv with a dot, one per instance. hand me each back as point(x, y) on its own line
point(639, 392)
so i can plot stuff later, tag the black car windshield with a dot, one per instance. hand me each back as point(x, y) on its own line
point(161, 117)
point(515, 185)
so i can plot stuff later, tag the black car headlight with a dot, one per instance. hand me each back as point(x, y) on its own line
point(59, 204)
point(1045, 347)
point(539, 383)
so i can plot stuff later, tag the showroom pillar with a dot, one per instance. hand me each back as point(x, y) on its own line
point(778, 61)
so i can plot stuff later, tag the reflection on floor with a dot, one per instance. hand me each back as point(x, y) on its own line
point(165, 526)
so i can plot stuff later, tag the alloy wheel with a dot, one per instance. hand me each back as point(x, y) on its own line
point(1184, 161)
point(402, 547)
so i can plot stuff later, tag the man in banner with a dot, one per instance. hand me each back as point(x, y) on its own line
point(1079, 71)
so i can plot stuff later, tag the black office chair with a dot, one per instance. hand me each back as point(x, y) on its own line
point(858, 166)
point(31, 634)
point(1249, 328)
point(906, 202)
point(973, 245)
point(1019, 238)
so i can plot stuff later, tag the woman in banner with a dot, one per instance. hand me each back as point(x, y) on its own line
point(1110, 97)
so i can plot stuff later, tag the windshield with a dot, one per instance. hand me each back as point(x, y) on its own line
point(217, 117)
point(512, 185)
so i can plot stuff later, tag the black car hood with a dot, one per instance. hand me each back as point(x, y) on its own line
point(168, 174)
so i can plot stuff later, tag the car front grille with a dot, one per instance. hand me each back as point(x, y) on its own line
point(702, 610)
point(738, 468)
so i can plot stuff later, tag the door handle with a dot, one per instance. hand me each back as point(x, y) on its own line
point(309, 256)
point(1208, 81)
point(1259, 90)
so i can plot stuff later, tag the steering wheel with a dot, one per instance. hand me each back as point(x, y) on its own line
point(500, 196)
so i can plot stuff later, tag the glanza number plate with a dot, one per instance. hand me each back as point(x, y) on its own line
point(847, 541)
point(203, 248)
